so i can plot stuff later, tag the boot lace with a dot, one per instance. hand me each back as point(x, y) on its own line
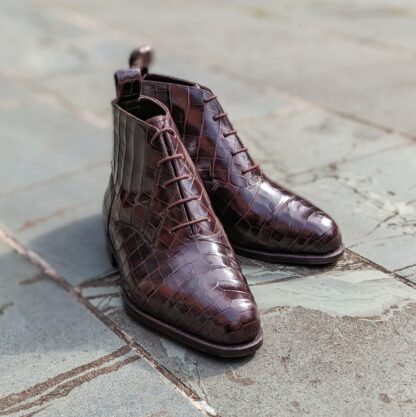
point(229, 133)
point(176, 179)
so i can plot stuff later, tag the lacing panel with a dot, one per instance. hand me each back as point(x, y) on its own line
point(177, 179)
point(229, 133)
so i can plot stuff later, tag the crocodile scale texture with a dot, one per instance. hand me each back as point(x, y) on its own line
point(176, 263)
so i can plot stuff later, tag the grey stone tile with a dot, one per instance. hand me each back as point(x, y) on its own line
point(126, 387)
point(95, 89)
point(316, 364)
point(408, 272)
point(240, 100)
point(117, 43)
point(311, 138)
point(41, 142)
point(50, 46)
point(101, 51)
point(61, 221)
point(12, 94)
point(351, 75)
point(44, 331)
point(103, 291)
point(57, 358)
point(361, 293)
point(374, 204)
point(356, 90)
point(260, 273)
point(74, 245)
point(325, 338)
point(388, 22)
point(40, 51)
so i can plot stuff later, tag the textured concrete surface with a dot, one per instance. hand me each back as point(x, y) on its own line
point(323, 95)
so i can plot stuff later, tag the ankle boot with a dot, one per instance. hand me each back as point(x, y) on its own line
point(179, 273)
point(262, 219)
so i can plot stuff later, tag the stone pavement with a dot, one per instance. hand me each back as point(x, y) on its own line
point(323, 94)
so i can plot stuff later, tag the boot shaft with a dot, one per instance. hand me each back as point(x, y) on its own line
point(205, 129)
point(154, 185)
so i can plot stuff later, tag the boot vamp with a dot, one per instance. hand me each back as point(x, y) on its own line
point(267, 217)
point(197, 287)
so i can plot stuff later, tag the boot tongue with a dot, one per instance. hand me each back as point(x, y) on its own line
point(159, 121)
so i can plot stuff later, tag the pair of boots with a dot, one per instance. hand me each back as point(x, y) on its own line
point(184, 195)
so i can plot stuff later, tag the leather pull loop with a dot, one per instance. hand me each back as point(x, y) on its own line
point(141, 58)
point(128, 83)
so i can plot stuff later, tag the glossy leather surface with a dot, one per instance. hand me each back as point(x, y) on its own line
point(256, 212)
point(176, 262)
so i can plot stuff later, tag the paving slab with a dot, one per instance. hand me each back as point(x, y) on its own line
point(325, 336)
point(50, 47)
point(125, 387)
point(348, 74)
point(386, 23)
point(40, 51)
point(67, 232)
point(12, 94)
point(60, 145)
point(375, 204)
point(310, 138)
point(232, 94)
point(58, 358)
point(87, 66)
point(44, 331)
point(54, 171)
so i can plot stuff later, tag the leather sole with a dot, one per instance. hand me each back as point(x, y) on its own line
point(288, 258)
point(225, 351)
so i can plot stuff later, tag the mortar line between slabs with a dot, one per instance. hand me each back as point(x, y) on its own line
point(39, 262)
point(381, 268)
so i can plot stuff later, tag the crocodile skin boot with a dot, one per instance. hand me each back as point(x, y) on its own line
point(262, 219)
point(179, 273)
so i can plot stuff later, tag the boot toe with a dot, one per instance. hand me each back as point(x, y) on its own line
point(240, 323)
point(323, 233)
point(206, 297)
point(229, 313)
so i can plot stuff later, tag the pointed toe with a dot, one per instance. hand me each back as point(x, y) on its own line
point(325, 235)
point(242, 323)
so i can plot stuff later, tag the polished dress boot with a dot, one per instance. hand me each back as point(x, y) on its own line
point(178, 271)
point(262, 219)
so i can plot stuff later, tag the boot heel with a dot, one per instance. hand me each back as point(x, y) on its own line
point(110, 253)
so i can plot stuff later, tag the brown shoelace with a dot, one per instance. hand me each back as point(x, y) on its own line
point(168, 158)
point(229, 133)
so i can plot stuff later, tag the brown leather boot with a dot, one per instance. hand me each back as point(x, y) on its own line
point(178, 271)
point(262, 219)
